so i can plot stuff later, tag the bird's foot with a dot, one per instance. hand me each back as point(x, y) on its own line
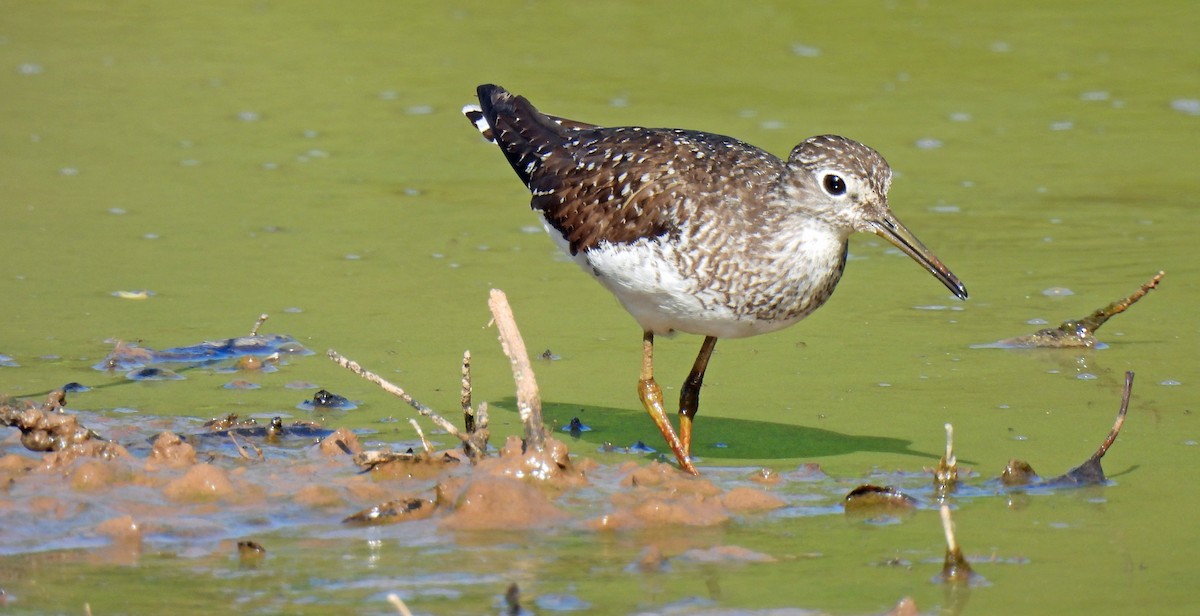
point(652, 399)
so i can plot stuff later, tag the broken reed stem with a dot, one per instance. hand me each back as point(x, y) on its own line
point(465, 398)
point(398, 603)
point(529, 404)
point(955, 568)
point(950, 445)
point(945, 475)
point(421, 434)
point(262, 318)
point(1116, 429)
point(397, 391)
point(481, 417)
point(948, 528)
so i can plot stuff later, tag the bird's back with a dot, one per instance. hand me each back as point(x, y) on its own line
point(618, 185)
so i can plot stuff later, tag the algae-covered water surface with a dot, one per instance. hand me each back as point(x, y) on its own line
point(173, 170)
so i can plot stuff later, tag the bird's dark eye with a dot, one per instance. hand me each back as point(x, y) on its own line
point(834, 185)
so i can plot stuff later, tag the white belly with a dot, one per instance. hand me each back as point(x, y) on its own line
point(665, 293)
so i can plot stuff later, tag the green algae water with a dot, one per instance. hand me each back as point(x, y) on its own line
point(309, 161)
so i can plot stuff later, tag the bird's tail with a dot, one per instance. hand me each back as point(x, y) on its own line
point(474, 113)
point(523, 133)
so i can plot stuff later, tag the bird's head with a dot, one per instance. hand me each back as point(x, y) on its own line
point(844, 184)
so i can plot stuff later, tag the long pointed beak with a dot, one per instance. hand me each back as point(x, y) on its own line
point(895, 232)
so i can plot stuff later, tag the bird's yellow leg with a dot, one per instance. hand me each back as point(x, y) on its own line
point(652, 399)
point(689, 396)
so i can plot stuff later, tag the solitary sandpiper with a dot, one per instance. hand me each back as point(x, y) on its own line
point(696, 232)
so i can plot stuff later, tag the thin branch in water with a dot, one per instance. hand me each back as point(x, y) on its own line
point(262, 318)
point(258, 454)
point(397, 391)
point(421, 434)
point(529, 404)
point(1093, 321)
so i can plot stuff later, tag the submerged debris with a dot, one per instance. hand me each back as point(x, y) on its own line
point(872, 502)
point(576, 427)
point(399, 510)
point(327, 400)
point(276, 430)
point(254, 363)
point(251, 553)
point(127, 356)
point(404, 463)
point(1076, 333)
point(229, 421)
point(905, 607)
point(1018, 473)
point(153, 374)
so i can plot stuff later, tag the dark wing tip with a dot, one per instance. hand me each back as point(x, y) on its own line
point(491, 96)
point(487, 90)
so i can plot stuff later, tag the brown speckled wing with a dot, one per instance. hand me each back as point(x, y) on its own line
point(619, 185)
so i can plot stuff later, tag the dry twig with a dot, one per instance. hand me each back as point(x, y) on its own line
point(397, 391)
